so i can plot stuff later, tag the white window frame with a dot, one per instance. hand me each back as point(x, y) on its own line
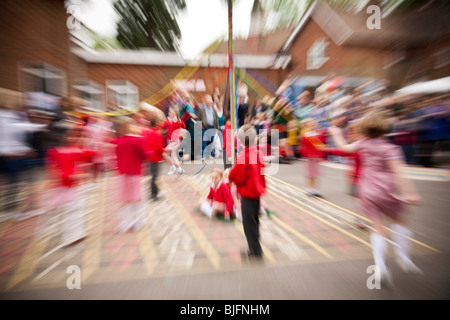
point(93, 92)
point(121, 94)
point(316, 54)
point(45, 72)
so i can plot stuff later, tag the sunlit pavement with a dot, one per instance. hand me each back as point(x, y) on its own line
point(313, 247)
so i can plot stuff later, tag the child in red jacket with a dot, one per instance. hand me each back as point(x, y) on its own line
point(311, 141)
point(219, 201)
point(248, 176)
point(131, 154)
point(66, 177)
point(154, 142)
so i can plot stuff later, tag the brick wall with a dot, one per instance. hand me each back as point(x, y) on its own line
point(151, 79)
point(32, 31)
point(343, 60)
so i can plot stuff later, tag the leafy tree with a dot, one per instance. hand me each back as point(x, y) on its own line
point(149, 23)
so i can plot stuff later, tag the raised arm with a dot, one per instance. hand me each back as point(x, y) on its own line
point(339, 140)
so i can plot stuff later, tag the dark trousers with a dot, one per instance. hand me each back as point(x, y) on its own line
point(250, 221)
point(153, 169)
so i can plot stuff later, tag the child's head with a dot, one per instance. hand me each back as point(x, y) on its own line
point(125, 126)
point(292, 125)
point(216, 176)
point(309, 124)
point(226, 174)
point(373, 125)
point(173, 112)
point(247, 135)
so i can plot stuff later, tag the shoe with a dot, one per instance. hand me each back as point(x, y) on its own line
point(171, 171)
point(180, 171)
point(249, 256)
point(386, 280)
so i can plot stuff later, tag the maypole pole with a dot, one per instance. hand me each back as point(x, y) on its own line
point(232, 77)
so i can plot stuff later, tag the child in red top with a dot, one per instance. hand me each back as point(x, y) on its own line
point(131, 154)
point(154, 141)
point(248, 176)
point(66, 178)
point(173, 125)
point(219, 201)
point(311, 141)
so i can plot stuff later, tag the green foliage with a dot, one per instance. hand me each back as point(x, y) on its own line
point(149, 23)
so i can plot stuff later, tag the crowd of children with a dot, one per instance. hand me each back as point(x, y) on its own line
point(94, 144)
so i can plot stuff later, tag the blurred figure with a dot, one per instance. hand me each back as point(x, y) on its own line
point(248, 176)
point(188, 116)
point(67, 193)
point(292, 136)
point(174, 126)
point(131, 154)
point(155, 143)
point(209, 119)
point(97, 133)
point(381, 165)
point(219, 201)
point(258, 108)
point(14, 149)
point(310, 141)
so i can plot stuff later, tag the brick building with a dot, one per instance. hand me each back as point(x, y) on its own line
point(410, 45)
point(39, 54)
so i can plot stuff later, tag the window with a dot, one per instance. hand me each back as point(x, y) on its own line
point(316, 55)
point(93, 92)
point(193, 85)
point(43, 77)
point(121, 94)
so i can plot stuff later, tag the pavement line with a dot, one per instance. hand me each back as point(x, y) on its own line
point(322, 220)
point(92, 253)
point(28, 262)
point(237, 224)
point(354, 214)
point(298, 234)
point(148, 250)
point(195, 231)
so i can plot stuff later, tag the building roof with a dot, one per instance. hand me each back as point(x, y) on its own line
point(264, 44)
point(411, 28)
point(158, 58)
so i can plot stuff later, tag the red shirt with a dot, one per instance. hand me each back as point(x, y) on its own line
point(248, 174)
point(227, 139)
point(221, 194)
point(307, 141)
point(62, 163)
point(131, 153)
point(172, 126)
point(154, 143)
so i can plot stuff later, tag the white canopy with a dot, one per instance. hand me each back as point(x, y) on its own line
point(433, 86)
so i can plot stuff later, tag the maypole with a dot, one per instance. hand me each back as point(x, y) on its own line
point(232, 77)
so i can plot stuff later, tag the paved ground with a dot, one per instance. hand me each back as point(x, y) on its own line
point(313, 250)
